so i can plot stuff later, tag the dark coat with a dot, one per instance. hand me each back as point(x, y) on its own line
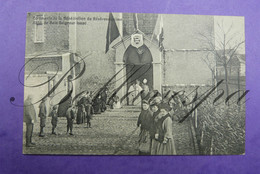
point(103, 101)
point(29, 112)
point(153, 126)
point(81, 106)
point(159, 127)
point(97, 103)
point(145, 119)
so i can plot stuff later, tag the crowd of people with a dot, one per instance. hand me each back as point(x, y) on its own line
point(155, 120)
point(81, 111)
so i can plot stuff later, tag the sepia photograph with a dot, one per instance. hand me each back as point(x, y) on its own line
point(134, 84)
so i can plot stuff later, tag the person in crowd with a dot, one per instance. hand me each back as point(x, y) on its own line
point(114, 102)
point(163, 133)
point(103, 100)
point(145, 93)
point(29, 117)
point(70, 115)
point(131, 94)
point(89, 113)
point(145, 85)
point(167, 96)
point(145, 120)
point(88, 110)
point(155, 107)
point(42, 115)
point(176, 111)
point(54, 119)
point(97, 104)
point(155, 96)
point(117, 103)
point(138, 91)
point(81, 109)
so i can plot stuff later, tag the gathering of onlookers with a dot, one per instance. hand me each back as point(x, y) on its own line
point(29, 117)
point(155, 119)
point(82, 111)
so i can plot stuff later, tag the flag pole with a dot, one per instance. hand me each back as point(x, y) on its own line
point(151, 40)
point(123, 41)
point(137, 27)
point(121, 28)
point(112, 32)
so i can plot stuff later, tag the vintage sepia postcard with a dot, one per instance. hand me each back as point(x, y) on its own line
point(134, 84)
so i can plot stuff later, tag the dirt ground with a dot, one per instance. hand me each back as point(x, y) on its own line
point(113, 132)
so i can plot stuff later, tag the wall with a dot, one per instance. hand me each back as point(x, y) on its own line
point(181, 35)
point(180, 32)
point(91, 41)
point(56, 36)
point(186, 68)
point(39, 92)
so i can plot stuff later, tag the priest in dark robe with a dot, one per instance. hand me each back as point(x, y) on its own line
point(81, 110)
point(97, 104)
point(103, 100)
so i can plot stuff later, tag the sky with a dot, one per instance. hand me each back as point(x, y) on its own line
point(237, 31)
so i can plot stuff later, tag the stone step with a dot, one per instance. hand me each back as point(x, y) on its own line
point(125, 109)
point(132, 107)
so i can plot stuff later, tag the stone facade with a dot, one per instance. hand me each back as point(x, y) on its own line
point(179, 65)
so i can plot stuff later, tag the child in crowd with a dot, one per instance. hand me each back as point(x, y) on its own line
point(89, 113)
point(70, 114)
point(54, 119)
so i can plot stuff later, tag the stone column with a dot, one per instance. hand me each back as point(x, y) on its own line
point(120, 79)
point(157, 76)
point(157, 71)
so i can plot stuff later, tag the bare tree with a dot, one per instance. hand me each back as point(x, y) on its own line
point(223, 45)
point(211, 63)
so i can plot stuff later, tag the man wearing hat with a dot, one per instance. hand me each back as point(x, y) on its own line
point(42, 115)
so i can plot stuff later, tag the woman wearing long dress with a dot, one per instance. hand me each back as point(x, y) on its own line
point(97, 104)
point(166, 145)
point(81, 111)
point(156, 110)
